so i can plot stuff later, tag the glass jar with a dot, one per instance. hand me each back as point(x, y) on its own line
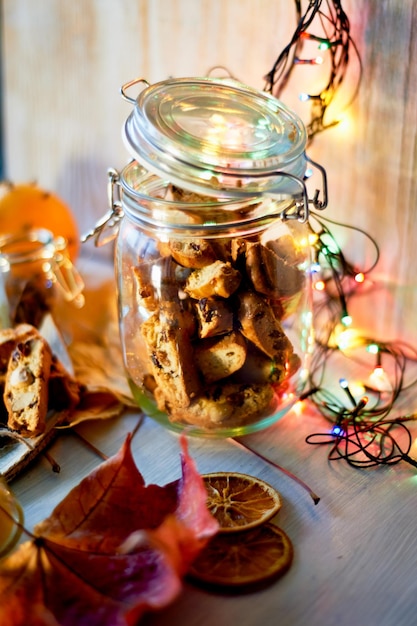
point(11, 519)
point(212, 256)
point(36, 274)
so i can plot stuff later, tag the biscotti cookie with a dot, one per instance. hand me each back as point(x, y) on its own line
point(262, 328)
point(285, 248)
point(271, 275)
point(194, 254)
point(215, 317)
point(259, 368)
point(145, 293)
point(171, 357)
point(226, 406)
point(26, 386)
point(217, 279)
point(220, 357)
point(8, 340)
point(177, 194)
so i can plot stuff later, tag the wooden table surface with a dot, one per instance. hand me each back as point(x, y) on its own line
point(355, 552)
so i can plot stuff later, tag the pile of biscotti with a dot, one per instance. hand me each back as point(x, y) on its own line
point(33, 381)
point(211, 326)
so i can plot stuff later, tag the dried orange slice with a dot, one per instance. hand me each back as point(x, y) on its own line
point(255, 556)
point(240, 502)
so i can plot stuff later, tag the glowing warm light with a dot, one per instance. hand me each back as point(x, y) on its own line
point(360, 277)
point(226, 131)
point(298, 407)
point(306, 242)
point(320, 285)
point(344, 338)
point(379, 380)
point(357, 388)
point(218, 120)
point(345, 124)
point(347, 339)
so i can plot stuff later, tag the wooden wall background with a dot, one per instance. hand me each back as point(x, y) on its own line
point(63, 64)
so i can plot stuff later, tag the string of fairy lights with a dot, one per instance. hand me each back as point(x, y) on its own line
point(363, 431)
point(333, 39)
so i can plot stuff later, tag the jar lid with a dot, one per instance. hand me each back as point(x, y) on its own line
point(216, 136)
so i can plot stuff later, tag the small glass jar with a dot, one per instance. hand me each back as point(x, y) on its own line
point(212, 256)
point(36, 274)
point(11, 519)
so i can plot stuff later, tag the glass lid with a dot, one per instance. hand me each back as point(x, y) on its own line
point(216, 135)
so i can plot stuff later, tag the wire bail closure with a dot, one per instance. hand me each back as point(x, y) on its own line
point(107, 227)
point(301, 200)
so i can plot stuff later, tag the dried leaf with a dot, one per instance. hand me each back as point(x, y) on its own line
point(96, 354)
point(112, 549)
point(95, 404)
point(106, 393)
point(100, 367)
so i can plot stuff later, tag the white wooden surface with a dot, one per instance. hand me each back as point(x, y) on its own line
point(355, 552)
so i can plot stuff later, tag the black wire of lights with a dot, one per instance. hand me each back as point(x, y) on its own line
point(335, 42)
point(362, 433)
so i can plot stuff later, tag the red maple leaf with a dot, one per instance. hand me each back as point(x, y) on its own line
point(112, 549)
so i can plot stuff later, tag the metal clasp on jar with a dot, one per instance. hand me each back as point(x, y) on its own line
point(64, 274)
point(107, 227)
point(300, 209)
